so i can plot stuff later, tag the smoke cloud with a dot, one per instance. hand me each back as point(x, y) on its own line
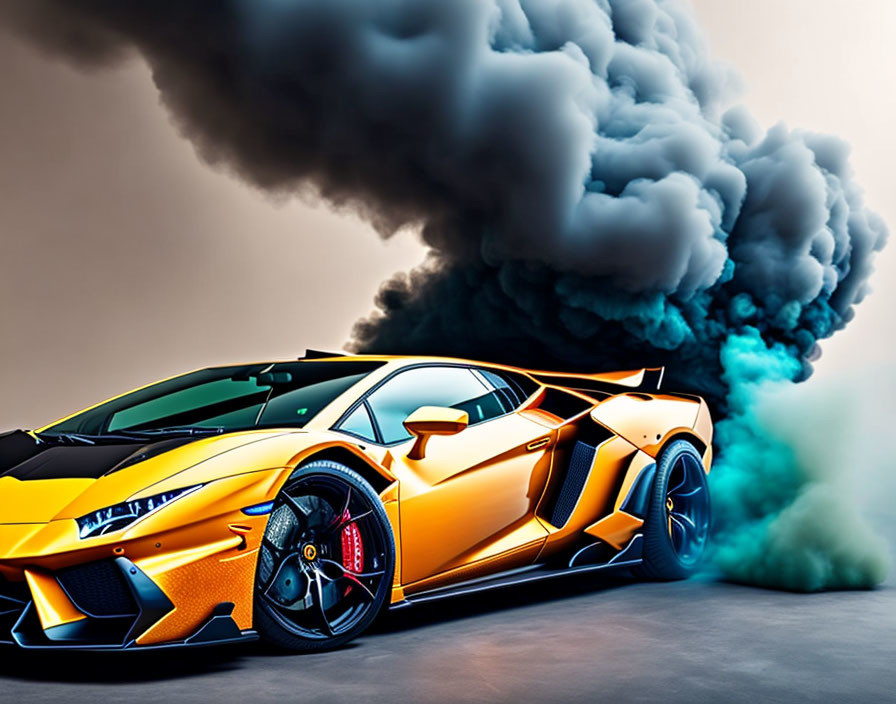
point(786, 486)
point(589, 199)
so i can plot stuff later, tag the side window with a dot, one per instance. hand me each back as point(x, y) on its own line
point(359, 423)
point(517, 387)
point(453, 387)
point(503, 388)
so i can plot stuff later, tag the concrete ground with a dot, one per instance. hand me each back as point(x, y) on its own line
point(565, 641)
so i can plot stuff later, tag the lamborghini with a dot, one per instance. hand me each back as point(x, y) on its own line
point(295, 500)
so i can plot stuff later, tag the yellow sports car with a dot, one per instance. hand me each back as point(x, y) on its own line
point(294, 500)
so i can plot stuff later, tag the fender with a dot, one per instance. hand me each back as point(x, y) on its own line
point(648, 420)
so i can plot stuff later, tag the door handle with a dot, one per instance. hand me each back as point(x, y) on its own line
point(536, 444)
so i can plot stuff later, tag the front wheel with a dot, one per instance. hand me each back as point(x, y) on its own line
point(326, 561)
point(677, 526)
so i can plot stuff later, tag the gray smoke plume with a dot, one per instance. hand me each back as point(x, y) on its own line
point(588, 199)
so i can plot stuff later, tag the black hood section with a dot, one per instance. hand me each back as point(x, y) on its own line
point(24, 458)
point(15, 447)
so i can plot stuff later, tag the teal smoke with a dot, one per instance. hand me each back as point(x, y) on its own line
point(781, 484)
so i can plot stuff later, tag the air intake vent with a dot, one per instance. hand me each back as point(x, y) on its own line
point(580, 461)
point(12, 591)
point(98, 589)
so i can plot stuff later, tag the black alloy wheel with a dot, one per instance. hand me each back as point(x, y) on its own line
point(677, 528)
point(326, 561)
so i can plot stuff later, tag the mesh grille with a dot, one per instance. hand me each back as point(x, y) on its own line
point(12, 590)
point(98, 588)
point(573, 483)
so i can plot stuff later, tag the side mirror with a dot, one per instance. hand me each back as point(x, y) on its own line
point(427, 421)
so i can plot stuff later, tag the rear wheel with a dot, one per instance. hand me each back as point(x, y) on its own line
point(677, 526)
point(326, 562)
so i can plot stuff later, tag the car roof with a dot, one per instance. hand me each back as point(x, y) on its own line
point(394, 360)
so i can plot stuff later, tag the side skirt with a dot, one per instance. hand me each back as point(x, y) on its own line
point(628, 557)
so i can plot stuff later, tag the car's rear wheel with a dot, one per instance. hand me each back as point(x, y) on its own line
point(326, 562)
point(678, 516)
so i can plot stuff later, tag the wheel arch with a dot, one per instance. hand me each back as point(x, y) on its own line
point(698, 444)
point(354, 461)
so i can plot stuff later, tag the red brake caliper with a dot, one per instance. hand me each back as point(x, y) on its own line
point(352, 548)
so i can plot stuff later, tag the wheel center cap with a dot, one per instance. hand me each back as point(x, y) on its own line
point(669, 504)
point(309, 552)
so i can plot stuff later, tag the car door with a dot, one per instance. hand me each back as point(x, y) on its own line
point(471, 498)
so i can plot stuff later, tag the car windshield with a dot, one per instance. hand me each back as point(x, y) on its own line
point(221, 399)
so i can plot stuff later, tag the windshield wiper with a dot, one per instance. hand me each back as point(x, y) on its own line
point(126, 435)
point(72, 438)
point(174, 430)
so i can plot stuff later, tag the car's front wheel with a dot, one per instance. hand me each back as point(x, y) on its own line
point(326, 562)
point(678, 516)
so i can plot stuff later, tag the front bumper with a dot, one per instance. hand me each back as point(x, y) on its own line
point(101, 605)
point(184, 575)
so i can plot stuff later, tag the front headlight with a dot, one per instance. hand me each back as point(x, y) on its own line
point(120, 516)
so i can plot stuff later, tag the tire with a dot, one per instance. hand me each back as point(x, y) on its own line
point(326, 562)
point(678, 515)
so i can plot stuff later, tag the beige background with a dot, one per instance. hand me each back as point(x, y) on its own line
point(123, 259)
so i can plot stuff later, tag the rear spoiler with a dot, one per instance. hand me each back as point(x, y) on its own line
point(647, 380)
point(321, 354)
